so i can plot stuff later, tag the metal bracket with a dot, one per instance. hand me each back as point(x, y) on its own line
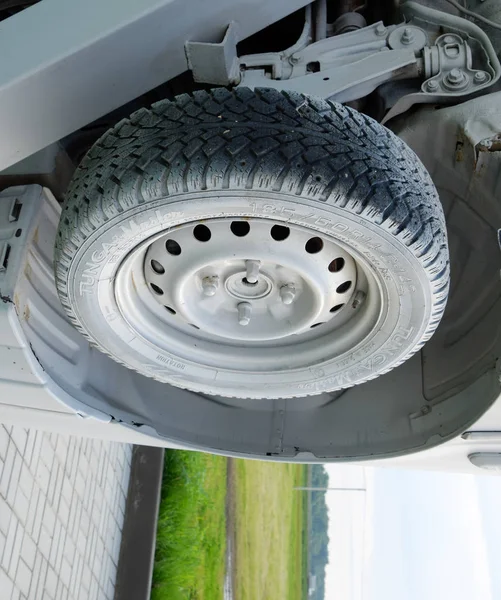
point(448, 62)
point(351, 65)
point(343, 67)
point(215, 63)
point(343, 83)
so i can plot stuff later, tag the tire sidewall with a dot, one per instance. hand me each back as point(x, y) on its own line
point(403, 282)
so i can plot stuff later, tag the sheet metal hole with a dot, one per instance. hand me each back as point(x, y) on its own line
point(344, 287)
point(314, 245)
point(316, 325)
point(202, 233)
point(240, 228)
point(334, 309)
point(336, 265)
point(280, 232)
point(195, 326)
point(171, 310)
point(157, 267)
point(173, 247)
point(158, 290)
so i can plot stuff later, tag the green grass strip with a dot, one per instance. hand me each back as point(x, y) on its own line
point(191, 534)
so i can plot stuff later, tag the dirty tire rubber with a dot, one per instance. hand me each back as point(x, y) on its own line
point(265, 154)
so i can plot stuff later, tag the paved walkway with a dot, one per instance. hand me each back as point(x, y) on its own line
point(62, 502)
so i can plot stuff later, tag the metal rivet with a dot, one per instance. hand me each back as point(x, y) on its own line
point(449, 39)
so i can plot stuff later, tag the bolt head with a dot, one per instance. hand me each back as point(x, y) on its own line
point(480, 76)
point(407, 36)
point(449, 39)
point(381, 29)
point(455, 77)
point(432, 86)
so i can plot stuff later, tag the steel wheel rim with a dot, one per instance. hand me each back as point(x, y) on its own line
point(325, 318)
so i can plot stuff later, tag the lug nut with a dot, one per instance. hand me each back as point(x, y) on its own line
point(480, 76)
point(381, 29)
point(287, 293)
point(455, 77)
point(432, 86)
point(244, 313)
point(252, 267)
point(210, 285)
point(407, 36)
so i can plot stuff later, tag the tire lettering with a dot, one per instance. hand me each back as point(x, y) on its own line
point(98, 257)
point(323, 222)
point(89, 278)
point(171, 363)
point(131, 228)
point(392, 348)
point(387, 352)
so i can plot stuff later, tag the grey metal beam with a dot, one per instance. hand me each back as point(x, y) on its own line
point(139, 533)
point(65, 63)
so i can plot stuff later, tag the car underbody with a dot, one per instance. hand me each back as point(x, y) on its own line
point(428, 72)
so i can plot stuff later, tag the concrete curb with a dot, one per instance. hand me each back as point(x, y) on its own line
point(137, 550)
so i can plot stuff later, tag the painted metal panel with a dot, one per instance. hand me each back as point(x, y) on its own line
point(65, 63)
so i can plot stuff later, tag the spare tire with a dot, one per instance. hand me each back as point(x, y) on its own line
point(254, 244)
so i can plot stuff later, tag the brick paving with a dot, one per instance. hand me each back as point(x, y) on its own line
point(62, 502)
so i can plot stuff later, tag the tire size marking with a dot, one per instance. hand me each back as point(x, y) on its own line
point(317, 221)
point(404, 284)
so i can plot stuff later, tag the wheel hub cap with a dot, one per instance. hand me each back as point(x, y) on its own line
point(238, 286)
